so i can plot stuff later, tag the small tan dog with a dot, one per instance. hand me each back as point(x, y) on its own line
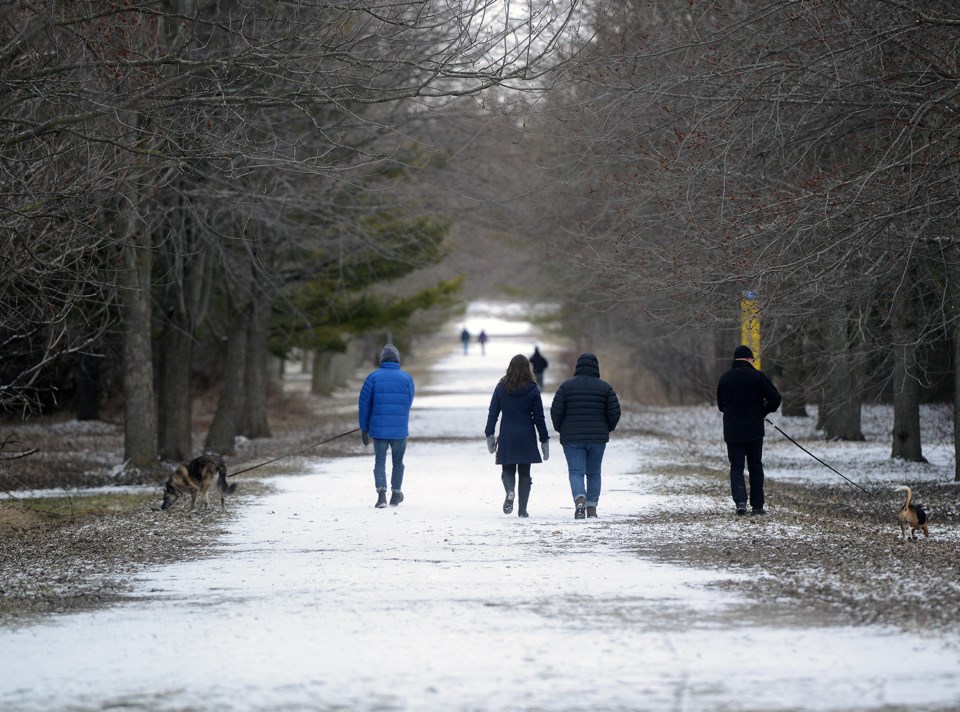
point(911, 516)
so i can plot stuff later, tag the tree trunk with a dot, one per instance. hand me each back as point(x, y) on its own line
point(906, 385)
point(223, 430)
point(341, 369)
point(139, 408)
point(840, 416)
point(186, 299)
point(320, 375)
point(906, 410)
point(88, 388)
point(792, 380)
point(175, 412)
point(256, 379)
point(956, 400)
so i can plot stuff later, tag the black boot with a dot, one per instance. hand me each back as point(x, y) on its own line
point(524, 492)
point(381, 499)
point(508, 485)
point(396, 497)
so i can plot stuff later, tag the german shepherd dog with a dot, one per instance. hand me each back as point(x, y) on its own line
point(911, 517)
point(195, 477)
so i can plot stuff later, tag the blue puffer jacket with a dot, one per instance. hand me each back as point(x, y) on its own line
point(522, 424)
point(585, 408)
point(385, 401)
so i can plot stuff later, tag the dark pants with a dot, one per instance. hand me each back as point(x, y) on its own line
point(509, 481)
point(752, 452)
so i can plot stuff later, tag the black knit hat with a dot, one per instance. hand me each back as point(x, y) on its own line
point(742, 352)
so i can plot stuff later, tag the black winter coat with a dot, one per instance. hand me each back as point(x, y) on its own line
point(744, 396)
point(537, 361)
point(585, 408)
point(522, 420)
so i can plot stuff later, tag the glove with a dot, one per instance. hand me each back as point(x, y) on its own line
point(491, 444)
point(365, 436)
point(545, 449)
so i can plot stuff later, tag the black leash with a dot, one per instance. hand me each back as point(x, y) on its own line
point(885, 504)
point(295, 452)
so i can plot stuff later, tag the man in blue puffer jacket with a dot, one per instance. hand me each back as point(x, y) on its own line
point(384, 411)
point(585, 410)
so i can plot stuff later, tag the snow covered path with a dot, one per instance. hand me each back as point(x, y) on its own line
point(319, 601)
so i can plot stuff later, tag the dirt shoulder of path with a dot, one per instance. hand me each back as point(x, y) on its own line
point(80, 552)
point(814, 552)
point(828, 554)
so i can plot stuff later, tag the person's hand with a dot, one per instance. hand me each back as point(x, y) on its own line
point(545, 449)
point(491, 444)
point(365, 436)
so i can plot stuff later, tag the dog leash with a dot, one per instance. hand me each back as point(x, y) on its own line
point(885, 504)
point(295, 452)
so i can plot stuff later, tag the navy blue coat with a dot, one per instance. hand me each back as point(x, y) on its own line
point(585, 408)
point(385, 400)
point(522, 420)
point(745, 395)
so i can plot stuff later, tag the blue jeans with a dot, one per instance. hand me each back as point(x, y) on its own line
point(583, 460)
point(752, 452)
point(397, 447)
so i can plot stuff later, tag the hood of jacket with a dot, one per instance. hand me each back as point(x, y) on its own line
point(389, 354)
point(587, 365)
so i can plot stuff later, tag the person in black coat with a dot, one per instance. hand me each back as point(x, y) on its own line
point(517, 399)
point(585, 410)
point(745, 396)
point(539, 365)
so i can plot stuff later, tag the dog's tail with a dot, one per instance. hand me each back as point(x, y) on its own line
point(222, 484)
point(904, 488)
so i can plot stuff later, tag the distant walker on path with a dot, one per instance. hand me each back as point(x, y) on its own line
point(539, 365)
point(585, 411)
point(745, 396)
point(465, 340)
point(384, 415)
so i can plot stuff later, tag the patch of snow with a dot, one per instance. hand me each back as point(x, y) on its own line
point(76, 491)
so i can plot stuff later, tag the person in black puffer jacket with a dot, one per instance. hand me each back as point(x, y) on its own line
point(745, 396)
point(584, 412)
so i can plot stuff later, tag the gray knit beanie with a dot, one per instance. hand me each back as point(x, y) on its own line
point(390, 353)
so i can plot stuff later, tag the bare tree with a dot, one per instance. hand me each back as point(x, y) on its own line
point(173, 109)
point(799, 150)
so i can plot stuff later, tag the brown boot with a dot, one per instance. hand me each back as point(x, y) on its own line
point(591, 512)
point(579, 513)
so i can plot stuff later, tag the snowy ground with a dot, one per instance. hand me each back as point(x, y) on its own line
point(315, 600)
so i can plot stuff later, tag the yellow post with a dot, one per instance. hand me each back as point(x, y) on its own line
point(750, 324)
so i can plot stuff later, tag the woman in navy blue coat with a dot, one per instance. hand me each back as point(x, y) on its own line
point(517, 399)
